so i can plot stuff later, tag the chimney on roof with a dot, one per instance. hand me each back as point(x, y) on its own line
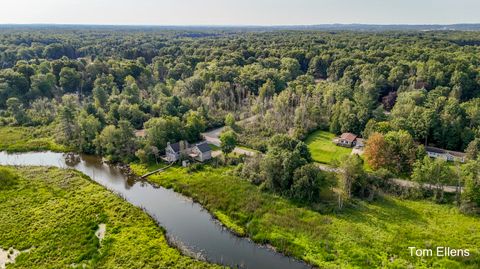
point(183, 145)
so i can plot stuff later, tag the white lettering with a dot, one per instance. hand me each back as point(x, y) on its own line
point(411, 250)
point(420, 252)
point(439, 252)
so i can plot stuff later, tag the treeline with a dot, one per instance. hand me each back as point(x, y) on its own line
point(295, 81)
point(287, 169)
point(99, 87)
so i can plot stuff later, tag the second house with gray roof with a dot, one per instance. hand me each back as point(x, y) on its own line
point(200, 152)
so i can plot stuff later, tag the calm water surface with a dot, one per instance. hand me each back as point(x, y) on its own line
point(188, 225)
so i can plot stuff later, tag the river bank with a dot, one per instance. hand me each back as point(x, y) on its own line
point(376, 233)
point(56, 212)
point(188, 226)
point(368, 235)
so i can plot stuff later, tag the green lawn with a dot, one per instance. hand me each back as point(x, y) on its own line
point(322, 149)
point(55, 214)
point(370, 235)
point(249, 149)
point(21, 139)
point(214, 147)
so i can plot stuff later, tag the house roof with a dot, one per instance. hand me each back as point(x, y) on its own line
point(443, 151)
point(175, 147)
point(435, 150)
point(203, 147)
point(349, 137)
point(457, 154)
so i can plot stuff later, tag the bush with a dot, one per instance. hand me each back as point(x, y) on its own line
point(308, 181)
point(195, 167)
point(7, 179)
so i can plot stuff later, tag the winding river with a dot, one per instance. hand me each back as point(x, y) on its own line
point(187, 224)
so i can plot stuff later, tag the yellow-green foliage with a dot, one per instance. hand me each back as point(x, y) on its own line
point(371, 235)
point(7, 179)
point(21, 139)
point(229, 223)
point(322, 149)
point(141, 169)
point(55, 213)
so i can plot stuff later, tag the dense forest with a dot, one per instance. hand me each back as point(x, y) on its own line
point(96, 86)
point(425, 83)
point(124, 93)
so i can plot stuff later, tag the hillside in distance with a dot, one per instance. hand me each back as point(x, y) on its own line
point(254, 28)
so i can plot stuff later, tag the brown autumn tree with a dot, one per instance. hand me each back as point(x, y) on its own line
point(377, 152)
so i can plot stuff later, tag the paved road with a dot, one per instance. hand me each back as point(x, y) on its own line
point(408, 183)
point(397, 181)
point(212, 137)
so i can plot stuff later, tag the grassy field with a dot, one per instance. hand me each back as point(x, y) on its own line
point(55, 214)
point(21, 139)
point(371, 235)
point(322, 149)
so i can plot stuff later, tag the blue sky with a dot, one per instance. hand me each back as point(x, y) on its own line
point(239, 12)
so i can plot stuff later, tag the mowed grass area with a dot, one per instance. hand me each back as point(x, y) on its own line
point(368, 235)
point(22, 139)
point(214, 147)
point(55, 214)
point(322, 149)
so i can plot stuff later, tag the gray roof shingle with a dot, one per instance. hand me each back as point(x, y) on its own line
point(175, 147)
point(203, 147)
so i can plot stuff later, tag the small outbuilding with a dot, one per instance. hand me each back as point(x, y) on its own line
point(359, 143)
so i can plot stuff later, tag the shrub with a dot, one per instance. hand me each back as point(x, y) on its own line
point(7, 179)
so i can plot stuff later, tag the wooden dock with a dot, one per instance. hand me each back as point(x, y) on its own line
point(157, 171)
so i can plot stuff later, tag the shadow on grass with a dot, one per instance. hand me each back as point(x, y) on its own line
point(381, 212)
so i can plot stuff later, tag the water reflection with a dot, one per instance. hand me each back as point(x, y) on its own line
point(187, 224)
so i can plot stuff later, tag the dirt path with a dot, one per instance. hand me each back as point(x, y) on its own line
point(212, 137)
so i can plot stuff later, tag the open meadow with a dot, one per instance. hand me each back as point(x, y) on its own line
point(52, 216)
point(365, 235)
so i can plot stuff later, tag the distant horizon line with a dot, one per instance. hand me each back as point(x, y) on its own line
point(242, 25)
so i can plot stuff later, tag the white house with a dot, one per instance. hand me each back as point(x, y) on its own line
point(447, 155)
point(174, 151)
point(200, 152)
